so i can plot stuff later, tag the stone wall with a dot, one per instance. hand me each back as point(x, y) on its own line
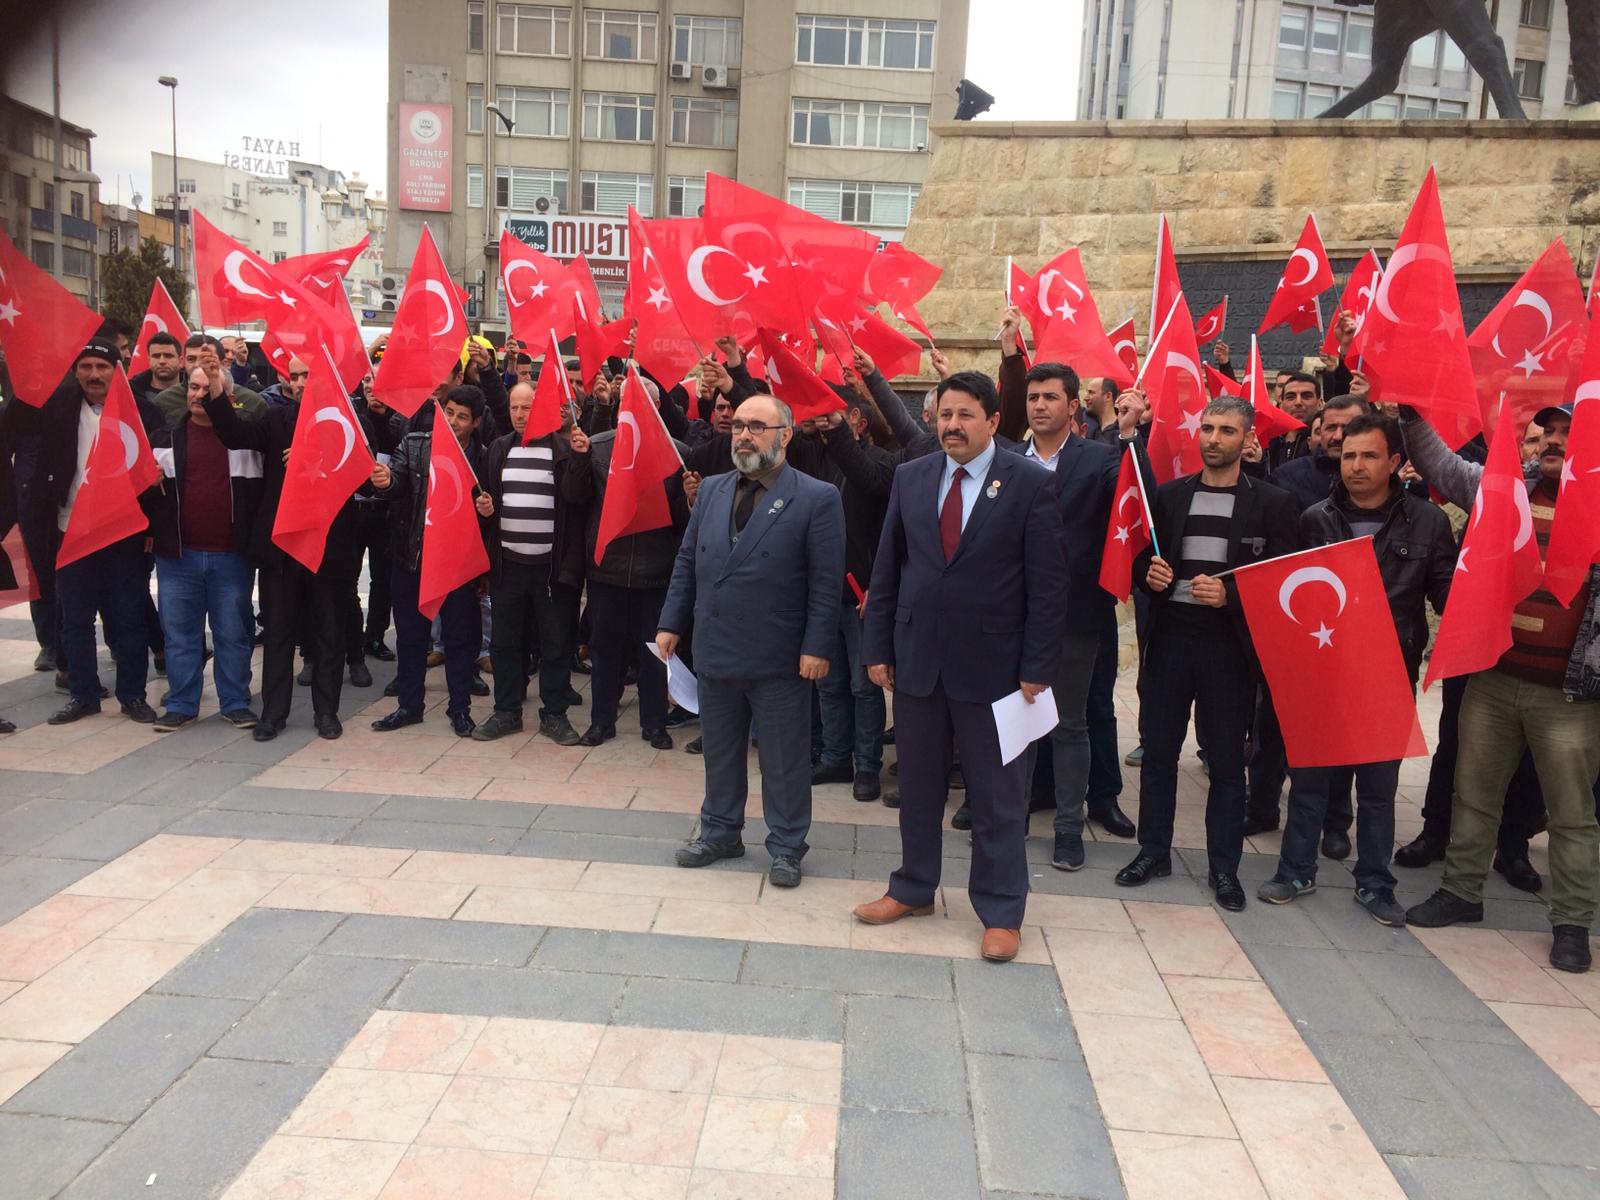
point(1235, 192)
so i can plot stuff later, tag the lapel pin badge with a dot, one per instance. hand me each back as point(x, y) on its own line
point(994, 489)
point(776, 505)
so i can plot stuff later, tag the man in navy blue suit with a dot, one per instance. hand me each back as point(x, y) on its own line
point(758, 578)
point(965, 608)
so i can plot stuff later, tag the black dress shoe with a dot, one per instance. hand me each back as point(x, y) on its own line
point(680, 716)
point(1228, 892)
point(957, 781)
point(891, 799)
point(700, 853)
point(1255, 823)
point(961, 818)
point(1421, 850)
point(823, 773)
point(392, 688)
point(478, 686)
point(572, 698)
point(558, 729)
point(73, 710)
point(659, 739)
point(865, 786)
point(360, 676)
point(1444, 908)
point(784, 872)
point(1569, 949)
point(398, 719)
point(140, 711)
point(328, 726)
point(1112, 819)
point(379, 651)
point(7, 726)
point(265, 731)
point(888, 737)
point(1518, 872)
point(497, 726)
point(462, 723)
point(1143, 869)
point(579, 666)
point(1335, 844)
point(1068, 852)
point(693, 747)
point(596, 734)
point(304, 678)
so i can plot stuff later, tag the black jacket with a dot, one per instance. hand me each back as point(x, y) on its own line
point(246, 479)
point(570, 521)
point(407, 494)
point(866, 478)
point(1309, 479)
point(638, 560)
point(1416, 551)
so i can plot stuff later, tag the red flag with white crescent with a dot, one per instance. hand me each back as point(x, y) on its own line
point(1165, 287)
point(662, 342)
point(1305, 277)
point(1575, 533)
point(1128, 530)
point(42, 326)
point(1177, 393)
point(552, 395)
point(429, 331)
point(1271, 421)
point(452, 542)
point(643, 458)
point(161, 316)
point(120, 467)
point(1069, 328)
point(1123, 342)
point(1210, 326)
point(536, 288)
point(1355, 300)
point(796, 384)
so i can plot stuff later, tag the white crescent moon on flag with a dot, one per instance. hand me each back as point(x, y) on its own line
point(1524, 519)
point(1128, 342)
point(1298, 579)
point(1122, 502)
point(152, 319)
point(512, 267)
point(1402, 258)
point(1311, 267)
point(1588, 390)
point(438, 289)
point(631, 422)
point(343, 422)
point(230, 272)
point(447, 468)
point(130, 445)
point(1530, 299)
point(1189, 366)
point(696, 270)
point(1042, 296)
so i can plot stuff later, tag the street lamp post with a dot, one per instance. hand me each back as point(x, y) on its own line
point(171, 81)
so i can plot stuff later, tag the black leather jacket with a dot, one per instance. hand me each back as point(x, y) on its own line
point(407, 494)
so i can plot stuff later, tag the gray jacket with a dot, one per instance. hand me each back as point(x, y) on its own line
point(1456, 479)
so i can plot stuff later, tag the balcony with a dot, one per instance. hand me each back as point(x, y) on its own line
point(72, 227)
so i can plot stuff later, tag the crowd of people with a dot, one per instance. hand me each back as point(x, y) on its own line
point(812, 570)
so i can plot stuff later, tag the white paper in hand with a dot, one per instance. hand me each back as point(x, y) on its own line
point(1020, 723)
point(682, 686)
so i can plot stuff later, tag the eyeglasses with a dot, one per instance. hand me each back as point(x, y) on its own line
point(759, 428)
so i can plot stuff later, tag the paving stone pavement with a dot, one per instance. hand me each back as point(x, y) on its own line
point(407, 966)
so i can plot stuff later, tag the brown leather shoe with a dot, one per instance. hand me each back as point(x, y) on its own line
point(1001, 945)
point(888, 910)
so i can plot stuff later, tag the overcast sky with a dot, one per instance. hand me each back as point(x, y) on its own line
point(316, 71)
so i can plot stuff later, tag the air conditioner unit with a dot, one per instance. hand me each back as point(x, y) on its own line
point(546, 206)
point(388, 306)
point(680, 70)
point(391, 284)
point(716, 77)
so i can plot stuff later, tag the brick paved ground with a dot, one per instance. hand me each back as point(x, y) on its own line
point(404, 965)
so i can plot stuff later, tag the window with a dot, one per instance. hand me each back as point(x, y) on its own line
point(474, 108)
point(76, 262)
point(1425, 52)
point(42, 258)
point(475, 185)
point(1418, 108)
point(707, 41)
point(280, 229)
point(49, 192)
point(1386, 109)
point(75, 156)
point(697, 122)
point(864, 42)
point(1357, 37)
point(1286, 101)
point(517, 188)
point(186, 187)
point(536, 112)
point(1535, 14)
point(534, 29)
point(474, 26)
point(1292, 24)
point(610, 193)
point(279, 255)
point(75, 204)
point(855, 203)
point(1453, 110)
point(686, 195)
point(238, 192)
point(21, 189)
point(1318, 97)
point(865, 124)
point(1127, 46)
point(626, 36)
point(1530, 78)
point(1451, 58)
point(1325, 34)
point(612, 117)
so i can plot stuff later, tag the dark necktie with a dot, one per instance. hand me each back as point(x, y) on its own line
point(745, 505)
point(950, 515)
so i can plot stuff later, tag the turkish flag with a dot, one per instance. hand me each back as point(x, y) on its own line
point(429, 330)
point(1307, 275)
point(1218, 384)
point(1355, 300)
point(1528, 345)
point(533, 284)
point(1127, 532)
point(1413, 343)
point(1070, 330)
point(328, 460)
point(160, 316)
point(1123, 342)
point(661, 340)
point(1177, 394)
point(1322, 628)
point(452, 543)
point(909, 314)
point(552, 396)
point(1209, 327)
point(796, 384)
point(891, 351)
point(643, 458)
point(595, 341)
point(1575, 533)
point(42, 326)
point(1498, 566)
point(813, 244)
point(1020, 292)
point(120, 467)
point(323, 272)
point(1165, 288)
point(1271, 421)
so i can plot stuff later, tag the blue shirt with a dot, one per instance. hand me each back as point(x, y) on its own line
point(977, 471)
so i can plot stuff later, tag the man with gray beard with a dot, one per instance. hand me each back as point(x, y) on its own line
point(758, 579)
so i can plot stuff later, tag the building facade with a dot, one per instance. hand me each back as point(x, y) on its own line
point(1149, 59)
point(553, 118)
point(31, 196)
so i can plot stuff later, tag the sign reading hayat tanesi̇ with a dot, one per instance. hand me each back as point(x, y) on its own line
point(267, 156)
point(425, 159)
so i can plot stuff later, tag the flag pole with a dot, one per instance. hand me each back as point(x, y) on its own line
point(1155, 341)
point(1280, 558)
point(1144, 499)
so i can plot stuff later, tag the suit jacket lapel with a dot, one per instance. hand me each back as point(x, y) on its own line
point(989, 490)
point(767, 511)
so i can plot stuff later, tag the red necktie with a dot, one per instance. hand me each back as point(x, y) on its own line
point(950, 515)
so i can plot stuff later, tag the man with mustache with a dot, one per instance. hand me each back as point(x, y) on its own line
point(758, 578)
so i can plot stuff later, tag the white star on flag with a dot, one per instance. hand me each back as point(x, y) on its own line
point(1324, 636)
point(658, 298)
point(1122, 533)
point(1530, 363)
point(538, 289)
point(9, 312)
point(756, 275)
point(1191, 422)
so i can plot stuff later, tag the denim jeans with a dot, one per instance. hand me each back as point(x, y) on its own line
point(107, 581)
point(1375, 785)
point(849, 699)
point(197, 587)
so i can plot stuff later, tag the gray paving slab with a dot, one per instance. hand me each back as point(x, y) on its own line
point(572, 818)
point(830, 864)
point(113, 832)
point(33, 783)
point(1276, 924)
point(26, 880)
point(118, 780)
point(217, 822)
point(1016, 1009)
point(413, 809)
point(1320, 991)
point(1429, 1000)
point(196, 783)
point(117, 1071)
point(433, 835)
point(180, 1140)
point(652, 954)
point(878, 839)
point(888, 1155)
point(508, 992)
point(1569, 1183)
point(249, 958)
point(313, 1012)
point(731, 1008)
point(43, 1154)
point(823, 835)
point(32, 823)
point(263, 754)
point(556, 843)
point(1039, 1128)
point(428, 940)
point(1535, 1115)
point(1532, 915)
point(847, 972)
point(873, 865)
point(905, 1054)
point(250, 797)
point(1349, 927)
point(1463, 1179)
